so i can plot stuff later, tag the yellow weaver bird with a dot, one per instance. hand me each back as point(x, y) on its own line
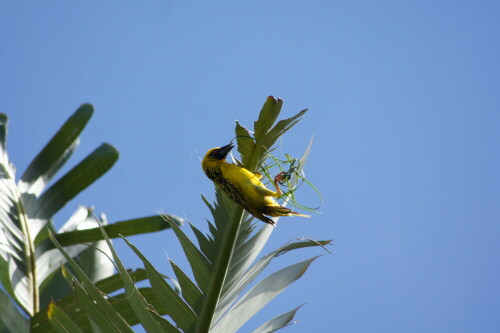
point(243, 186)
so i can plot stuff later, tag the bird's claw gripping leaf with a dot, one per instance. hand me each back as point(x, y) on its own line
point(285, 176)
point(280, 178)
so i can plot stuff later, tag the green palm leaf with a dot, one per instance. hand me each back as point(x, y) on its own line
point(29, 263)
point(10, 318)
point(278, 322)
point(115, 314)
point(75, 181)
point(108, 285)
point(261, 294)
point(56, 152)
point(61, 321)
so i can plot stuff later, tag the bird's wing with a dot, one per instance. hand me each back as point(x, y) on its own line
point(258, 214)
point(262, 190)
point(234, 193)
point(258, 175)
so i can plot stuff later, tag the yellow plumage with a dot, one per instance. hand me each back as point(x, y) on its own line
point(243, 186)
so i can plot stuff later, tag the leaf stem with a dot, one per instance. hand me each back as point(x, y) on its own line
point(221, 267)
point(29, 252)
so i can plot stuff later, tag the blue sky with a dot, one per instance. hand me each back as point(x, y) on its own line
point(404, 106)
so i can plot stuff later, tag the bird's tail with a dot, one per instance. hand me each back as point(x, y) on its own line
point(281, 211)
point(298, 214)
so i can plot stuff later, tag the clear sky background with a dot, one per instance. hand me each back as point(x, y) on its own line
point(404, 102)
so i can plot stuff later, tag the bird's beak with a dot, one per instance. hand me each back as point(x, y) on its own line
point(223, 151)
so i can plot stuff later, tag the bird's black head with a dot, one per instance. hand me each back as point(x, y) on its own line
point(220, 153)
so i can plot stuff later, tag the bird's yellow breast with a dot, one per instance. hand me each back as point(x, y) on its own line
point(245, 181)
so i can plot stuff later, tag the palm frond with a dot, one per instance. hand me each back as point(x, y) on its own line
point(11, 319)
point(91, 309)
point(29, 263)
point(278, 322)
point(225, 263)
